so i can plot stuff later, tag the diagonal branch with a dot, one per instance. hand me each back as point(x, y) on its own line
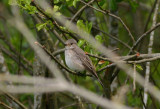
point(15, 58)
point(63, 66)
point(15, 100)
point(112, 15)
point(79, 11)
point(5, 105)
point(12, 48)
point(142, 36)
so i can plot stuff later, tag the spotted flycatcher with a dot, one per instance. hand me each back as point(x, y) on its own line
point(77, 60)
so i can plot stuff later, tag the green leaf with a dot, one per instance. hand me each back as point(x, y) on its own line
point(75, 2)
point(56, 8)
point(50, 23)
point(69, 2)
point(40, 26)
point(133, 100)
point(31, 9)
point(113, 5)
point(80, 24)
point(56, 1)
point(139, 67)
point(87, 49)
point(63, 28)
point(12, 2)
point(133, 4)
point(81, 42)
point(101, 2)
point(27, 1)
point(24, 4)
point(88, 27)
point(99, 38)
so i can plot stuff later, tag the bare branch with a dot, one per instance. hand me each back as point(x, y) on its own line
point(79, 11)
point(112, 15)
point(149, 52)
point(63, 84)
point(15, 100)
point(5, 105)
point(142, 36)
point(15, 58)
point(63, 66)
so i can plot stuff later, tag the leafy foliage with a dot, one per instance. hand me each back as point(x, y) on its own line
point(88, 23)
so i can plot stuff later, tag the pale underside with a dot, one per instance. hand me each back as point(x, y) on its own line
point(73, 62)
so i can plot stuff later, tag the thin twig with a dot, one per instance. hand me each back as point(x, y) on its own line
point(92, 55)
point(5, 105)
point(58, 52)
point(141, 96)
point(144, 60)
point(54, 31)
point(130, 62)
point(15, 58)
point(112, 15)
point(67, 106)
point(149, 17)
point(63, 66)
point(142, 36)
point(15, 100)
point(54, 22)
point(104, 68)
point(58, 36)
point(12, 48)
point(80, 10)
point(113, 37)
point(62, 84)
point(20, 51)
point(144, 57)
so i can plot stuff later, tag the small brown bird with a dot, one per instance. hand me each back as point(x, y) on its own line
point(77, 60)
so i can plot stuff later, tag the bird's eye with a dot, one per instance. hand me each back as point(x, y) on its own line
point(71, 43)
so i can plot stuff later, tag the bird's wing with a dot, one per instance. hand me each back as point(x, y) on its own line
point(85, 60)
point(87, 63)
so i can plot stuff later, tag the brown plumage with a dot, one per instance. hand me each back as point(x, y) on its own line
point(83, 59)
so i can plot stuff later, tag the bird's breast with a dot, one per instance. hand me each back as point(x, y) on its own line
point(72, 61)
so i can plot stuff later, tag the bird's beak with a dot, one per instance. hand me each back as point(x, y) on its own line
point(67, 44)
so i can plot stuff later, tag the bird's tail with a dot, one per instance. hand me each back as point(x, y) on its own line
point(100, 82)
point(95, 74)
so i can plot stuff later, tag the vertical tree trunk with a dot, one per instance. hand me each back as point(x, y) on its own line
point(4, 69)
point(39, 70)
point(45, 101)
point(113, 30)
point(149, 52)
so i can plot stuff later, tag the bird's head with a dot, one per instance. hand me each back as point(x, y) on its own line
point(70, 43)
